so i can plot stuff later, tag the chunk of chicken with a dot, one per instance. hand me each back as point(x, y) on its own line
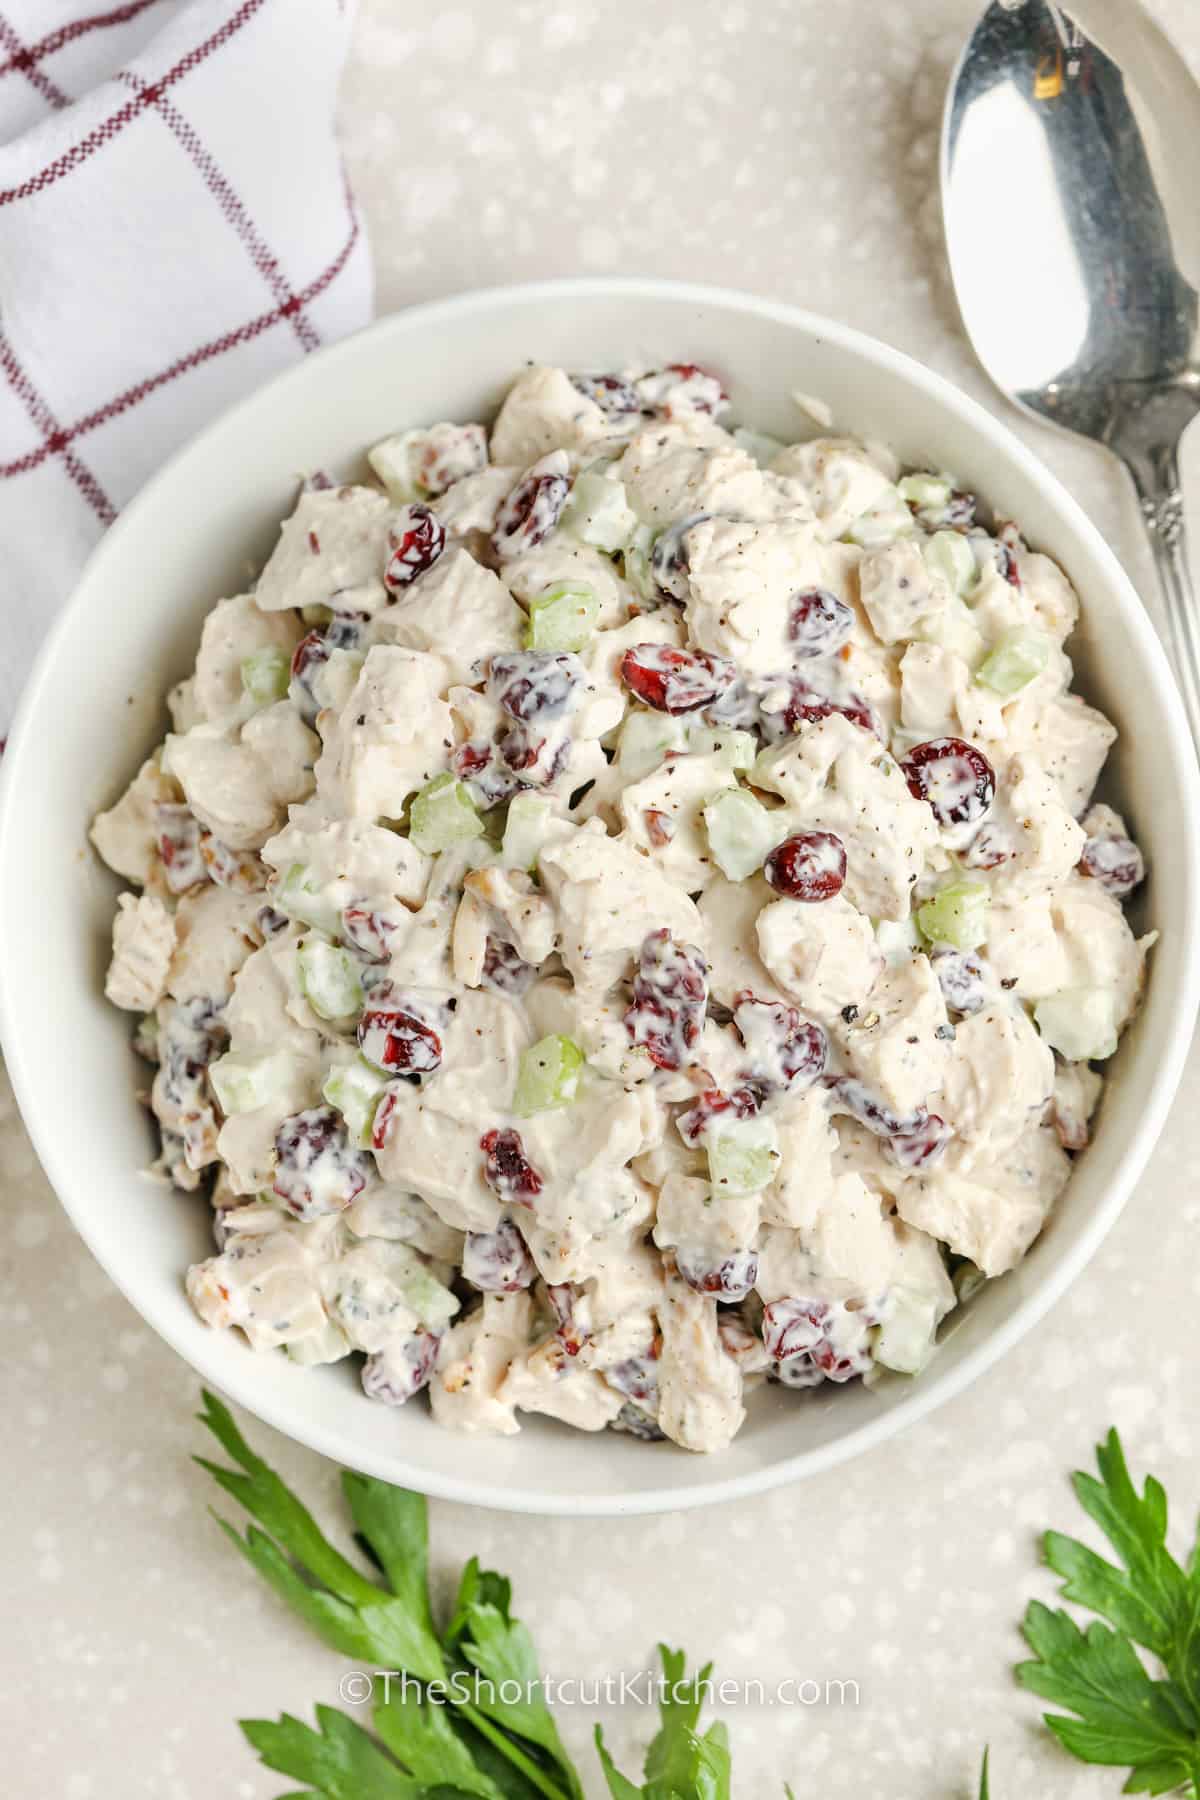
point(143, 944)
point(836, 777)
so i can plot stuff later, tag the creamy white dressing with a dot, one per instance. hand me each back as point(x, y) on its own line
point(623, 914)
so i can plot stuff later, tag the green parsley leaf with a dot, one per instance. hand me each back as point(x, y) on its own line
point(1125, 1715)
point(355, 1616)
point(421, 1736)
point(478, 1587)
point(983, 1779)
point(619, 1786)
point(340, 1760)
point(502, 1650)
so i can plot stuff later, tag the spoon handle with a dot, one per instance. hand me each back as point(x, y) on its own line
point(1156, 478)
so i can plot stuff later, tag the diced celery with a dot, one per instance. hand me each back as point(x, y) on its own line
point(954, 629)
point(638, 572)
point(598, 512)
point(882, 523)
point(949, 555)
point(743, 1156)
point(735, 749)
point(298, 894)
point(265, 675)
point(645, 739)
point(330, 978)
point(957, 915)
point(442, 814)
point(1016, 660)
point(354, 1088)
point(424, 1295)
point(740, 832)
point(547, 1076)
point(525, 830)
point(905, 1340)
point(925, 492)
point(758, 444)
point(1080, 1023)
point(328, 1344)
point(392, 462)
point(563, 618)
point(243, 1083)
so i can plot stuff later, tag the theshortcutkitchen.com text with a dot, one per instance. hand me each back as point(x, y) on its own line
point(643, 1687)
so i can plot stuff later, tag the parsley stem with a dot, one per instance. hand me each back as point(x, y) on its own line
point(505, 1745)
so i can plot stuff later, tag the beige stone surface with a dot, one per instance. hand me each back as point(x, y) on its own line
point(789, 147)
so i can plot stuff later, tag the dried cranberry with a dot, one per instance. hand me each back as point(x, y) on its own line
point(451, 453)
point(682, 387)
point(833, 1336)
point(385, 1111)
point(345, 630)
point(853, 1096)
point(401, 1369)
point(1115, 862)
point(369, 931)
point(179, 847)
point(730, 1279)
point(670, 991)
point(504, 970)
point(922, 1148)
point(497, 1262)
point(533, 685)
point(537, 759)
point(1006, 562)
point(393, 1034)
point(743, 1102)
point(669, 557)
point(416, 538)
point(955, 778)
point(240, 870)
point(507, 1169)
point(609, 392)
point(637, 1377)
point(737, 708)
point(480, 767)
point(572, 1332)
point(639, 1424)
point(317, 1170)
point(961, 979)
point(308, 659)
point(674, 681)
point(990, 847)
point(532, 510)
point(804, 706)
point(780, 1042)
point(957, 513)
point(819, 623)
point(810, 866)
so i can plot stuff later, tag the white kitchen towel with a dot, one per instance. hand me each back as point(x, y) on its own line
point(175, 226)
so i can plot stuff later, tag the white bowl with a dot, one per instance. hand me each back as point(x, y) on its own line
point(93, 709)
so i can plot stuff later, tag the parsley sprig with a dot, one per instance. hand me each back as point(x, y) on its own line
point(1126, 1715)
point(429, 1740)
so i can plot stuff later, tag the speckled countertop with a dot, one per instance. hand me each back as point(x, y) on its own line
point(786, 146)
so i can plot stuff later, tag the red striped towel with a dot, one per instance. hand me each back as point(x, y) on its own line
point(175, 226)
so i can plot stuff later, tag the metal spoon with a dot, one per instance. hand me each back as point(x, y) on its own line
point(1069, 187)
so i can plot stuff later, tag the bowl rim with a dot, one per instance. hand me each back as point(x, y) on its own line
point(932, 1389)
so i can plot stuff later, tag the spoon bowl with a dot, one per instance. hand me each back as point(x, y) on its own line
point(1075, 246)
